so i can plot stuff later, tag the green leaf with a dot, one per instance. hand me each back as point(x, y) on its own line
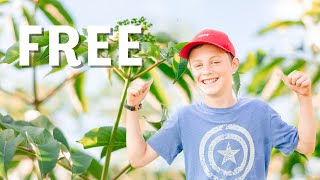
point(4, 1)
point(41, 40)
point(163, 37)
point(5, 119)
point(180, 46)
point(103, 152)
point(47, 155)
point(250, 63)
point(167, 71)
point(79, 85)
point(80, 161)
point(64, 63)
point(42, 122)
point(236, 81)
point(95, 169)
point(2, 54)
point(12, 54)
point(280, 24)
point(299, 64)
point(313, 12)
point(291, 161)
point(58, 135)
point(317, 148)
point(151, 50)
point(260, 78)
point(45, 54)
point(15, 28)
point(180, 65)
point(80, 50)
point(109, 74)
point(85, 31)
point(146, 136)
point(55, 12)
point(52, 176)
point(7, 134)
point(7, 150)
point(101, 136)
point(164, 116)
point(36, 134)
point(27, 15)
point(260, 54)
point(8, 144)
point(157, 88)
point(302, 155)
point(168, 52)
point(316, 76)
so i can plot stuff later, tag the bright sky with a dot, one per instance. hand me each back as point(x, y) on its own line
point(182, 19)
point(241, 20)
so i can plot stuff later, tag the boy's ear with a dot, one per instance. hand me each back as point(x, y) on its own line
point(235, 64)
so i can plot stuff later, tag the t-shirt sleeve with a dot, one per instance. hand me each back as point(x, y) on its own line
point(284, 137)
point(167, 142)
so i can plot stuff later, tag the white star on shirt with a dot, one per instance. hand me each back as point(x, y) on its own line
point(228, 154)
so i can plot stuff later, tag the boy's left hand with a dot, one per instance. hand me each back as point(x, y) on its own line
point(297, 81)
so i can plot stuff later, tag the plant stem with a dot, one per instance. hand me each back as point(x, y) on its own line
point(122, 171)
point(55, 90)
point(115, 68)
point(114, 129)
point(148, 69)
point(35, 91)
point(20, 96)
point(120, 72)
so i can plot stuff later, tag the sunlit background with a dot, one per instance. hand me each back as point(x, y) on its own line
point(241, 20)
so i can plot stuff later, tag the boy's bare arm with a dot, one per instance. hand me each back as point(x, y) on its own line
point(307, 126)
point(301, 84)
point(140, 153)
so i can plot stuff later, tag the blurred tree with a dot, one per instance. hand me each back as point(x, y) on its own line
point(305, 58)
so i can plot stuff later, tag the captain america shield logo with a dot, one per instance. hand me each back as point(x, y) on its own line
point(227, 151)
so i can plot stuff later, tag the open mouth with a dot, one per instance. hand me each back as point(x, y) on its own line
point(209, 81)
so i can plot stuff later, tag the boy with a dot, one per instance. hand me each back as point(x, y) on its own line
point(222, 137)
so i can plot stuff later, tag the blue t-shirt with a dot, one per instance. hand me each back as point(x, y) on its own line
point(225, 143)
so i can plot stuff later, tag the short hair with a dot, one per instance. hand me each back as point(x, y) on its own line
point(200, 45)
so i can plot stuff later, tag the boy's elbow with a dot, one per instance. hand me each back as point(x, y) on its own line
point(310, 149)
point(307, 151)
point(307, 148)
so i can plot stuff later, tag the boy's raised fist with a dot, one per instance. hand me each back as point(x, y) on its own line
point(137, 91)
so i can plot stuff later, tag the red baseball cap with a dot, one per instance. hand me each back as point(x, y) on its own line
point(209, 36)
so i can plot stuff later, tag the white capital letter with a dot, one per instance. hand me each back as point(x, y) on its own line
point(24, 46)
point(124, 45)
point(55, 47)
point(94, 45)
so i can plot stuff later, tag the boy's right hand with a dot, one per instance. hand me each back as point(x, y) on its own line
point(138, 91)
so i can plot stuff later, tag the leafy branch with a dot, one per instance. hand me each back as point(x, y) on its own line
point(31, 152)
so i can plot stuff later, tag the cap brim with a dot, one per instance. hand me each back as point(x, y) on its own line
point(184, 53)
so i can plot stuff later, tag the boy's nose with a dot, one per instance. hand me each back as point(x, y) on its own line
point(207, 72)
point(207, 69)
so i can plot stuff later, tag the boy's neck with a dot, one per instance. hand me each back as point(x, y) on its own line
point(220, 102)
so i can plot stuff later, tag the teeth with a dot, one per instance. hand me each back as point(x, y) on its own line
point(208, 81)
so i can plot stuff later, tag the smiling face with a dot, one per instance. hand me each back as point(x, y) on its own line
point(212, 69)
